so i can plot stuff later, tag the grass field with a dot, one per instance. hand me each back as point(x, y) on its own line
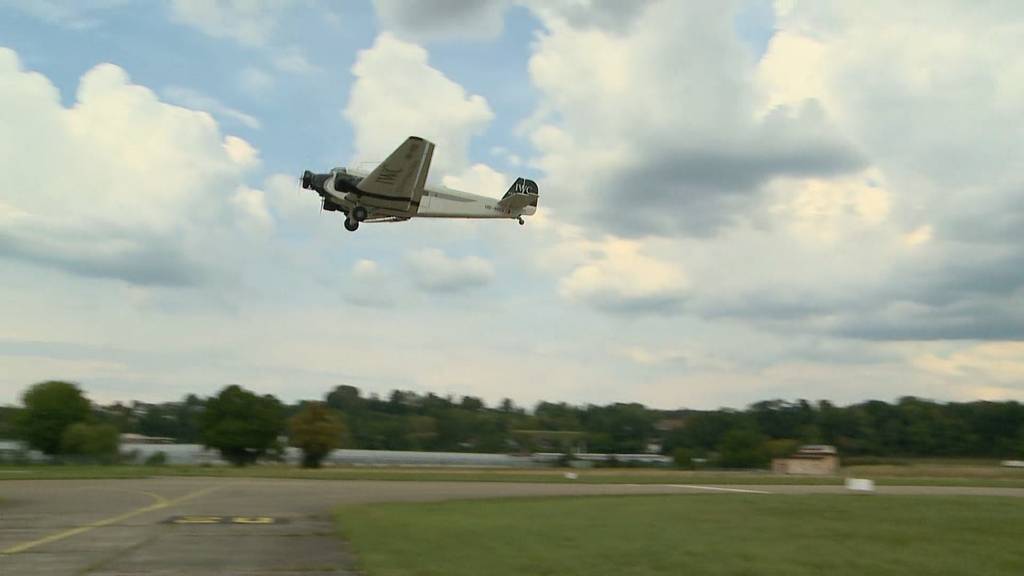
point(941, 474)
point(691, 534)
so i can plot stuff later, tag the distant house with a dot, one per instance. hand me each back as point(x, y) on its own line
point(810, 460)
point(669, 424)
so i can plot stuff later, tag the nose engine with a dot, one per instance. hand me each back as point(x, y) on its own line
point(311, 181)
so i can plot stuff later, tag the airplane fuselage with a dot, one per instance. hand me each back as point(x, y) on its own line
point(436, 202)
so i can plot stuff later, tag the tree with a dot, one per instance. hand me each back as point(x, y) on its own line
point(317, 430)
point(8, 422)
point(240, 424)
point(95, 441)
point(344, 398)
point(50, 408)
point(743, 448)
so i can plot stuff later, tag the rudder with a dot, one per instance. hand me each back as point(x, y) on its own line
point(521, 197)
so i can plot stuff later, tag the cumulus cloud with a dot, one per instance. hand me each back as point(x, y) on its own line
point(196, 100)
point(426, 20)
point(119, 185)
point(434, 271)
point(608, 15)
point(251, 205)
point(655, 130)
point(480, 179)
point(421, 20)
point(624, 280)
point(933, 110)
point(397, 93)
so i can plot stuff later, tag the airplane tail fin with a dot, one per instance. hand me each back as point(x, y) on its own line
point(521, 198)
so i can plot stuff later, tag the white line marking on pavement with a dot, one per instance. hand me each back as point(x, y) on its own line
point(719, 489)
point(710, 488)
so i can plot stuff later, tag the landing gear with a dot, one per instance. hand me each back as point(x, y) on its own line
point(354, 217)
point(521, 221)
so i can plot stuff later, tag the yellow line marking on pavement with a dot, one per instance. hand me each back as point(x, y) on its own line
point(198, 520)
point(159, 499)
point(160, 504)
point(252, 520)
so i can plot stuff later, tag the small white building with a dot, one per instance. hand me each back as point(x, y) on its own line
point(809, 460)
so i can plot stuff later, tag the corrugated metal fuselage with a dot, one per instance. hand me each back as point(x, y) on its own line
point(436, 202)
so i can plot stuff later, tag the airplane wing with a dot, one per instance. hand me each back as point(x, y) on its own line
point(397, 184)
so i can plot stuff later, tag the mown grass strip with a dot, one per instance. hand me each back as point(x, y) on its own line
point(691, 534)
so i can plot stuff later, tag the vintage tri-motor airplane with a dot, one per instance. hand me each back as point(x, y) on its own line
point(396, 190)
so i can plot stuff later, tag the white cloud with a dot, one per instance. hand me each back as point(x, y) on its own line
point(249, 22)
point(83, 195)
point(241, 152)
point(830, 211)
point(370, 285)
point(80, 15)
point(255, 79)
point(398, 94)
point(622, 279)
point(434, 271)
point(480, 179)
point(292, 59)
point(196, 100)
point(252, 207)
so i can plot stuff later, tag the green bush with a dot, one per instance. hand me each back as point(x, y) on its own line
point(316, 430)
point(156, 459)
point(97, 442)
point(683, 458)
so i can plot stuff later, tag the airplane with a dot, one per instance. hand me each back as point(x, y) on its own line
point(396, 191)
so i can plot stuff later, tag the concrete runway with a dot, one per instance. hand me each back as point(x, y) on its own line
point(205, 526)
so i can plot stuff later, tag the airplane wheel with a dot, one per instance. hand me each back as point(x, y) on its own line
point(360, 213)
point(521, 221)
point(351, 225)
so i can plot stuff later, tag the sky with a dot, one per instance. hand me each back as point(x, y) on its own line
point(739, 200)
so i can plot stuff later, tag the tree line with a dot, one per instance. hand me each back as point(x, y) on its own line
point(57, 419)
